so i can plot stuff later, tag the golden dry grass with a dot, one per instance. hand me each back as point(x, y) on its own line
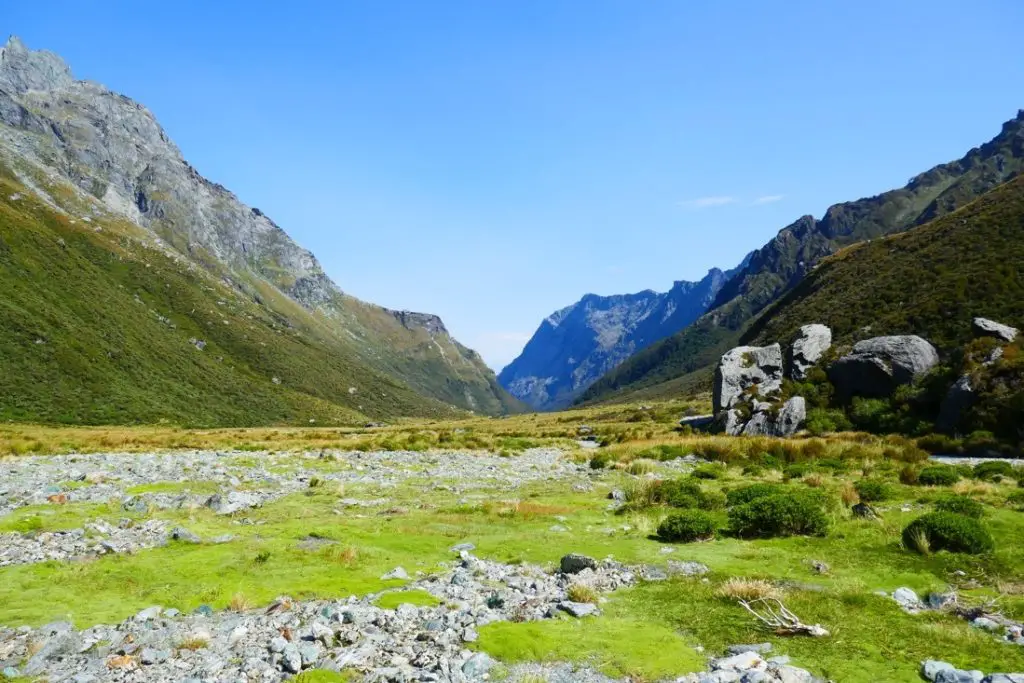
point(739, 588)
point(579, 592)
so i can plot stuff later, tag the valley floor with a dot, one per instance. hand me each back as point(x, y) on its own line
point(434, 552)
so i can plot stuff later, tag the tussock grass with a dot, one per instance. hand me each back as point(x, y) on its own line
point(738, 588)
point(579, 592)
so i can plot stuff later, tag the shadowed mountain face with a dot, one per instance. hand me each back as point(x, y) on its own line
point(575, 346)
point(780, 264)
point(96, 157)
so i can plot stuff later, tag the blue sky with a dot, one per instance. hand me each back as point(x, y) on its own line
point(492, 161)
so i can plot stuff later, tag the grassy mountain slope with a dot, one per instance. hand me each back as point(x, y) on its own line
point(781, 263)
point(113, 157)
point(98, 318)
point(930, 281)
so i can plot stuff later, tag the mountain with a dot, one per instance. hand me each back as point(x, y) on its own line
point(144, 237)
point(682, 360)
point(931, 281)
point(575, 346)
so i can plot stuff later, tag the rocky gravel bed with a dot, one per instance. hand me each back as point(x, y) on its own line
point(408, 643)
point(97, 538)
point(264, 476)
point(244, 481)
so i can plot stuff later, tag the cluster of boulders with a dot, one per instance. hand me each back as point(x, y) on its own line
point(748, 379)
point(97, 538)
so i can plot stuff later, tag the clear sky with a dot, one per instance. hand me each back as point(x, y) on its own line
point(492, 161)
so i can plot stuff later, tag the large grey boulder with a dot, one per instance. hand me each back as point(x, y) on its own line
point(983, 327)
point(809, 347)
point(791, 416)
point(745, 367)
point(877, 366)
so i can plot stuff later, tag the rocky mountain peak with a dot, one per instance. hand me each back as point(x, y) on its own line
point(22, 69)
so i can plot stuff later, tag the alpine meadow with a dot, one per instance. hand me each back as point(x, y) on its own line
point(754, 450)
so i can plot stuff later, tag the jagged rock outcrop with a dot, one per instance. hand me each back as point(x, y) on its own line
point(575, 346)
point(747, 371)
point(962, 394)
point(878, 365)
point(811, 344)
point(98, 156)
point(983, 327)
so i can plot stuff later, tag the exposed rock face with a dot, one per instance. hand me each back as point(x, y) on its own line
point(877, 366)
point(756, 370)
point(983, 327)
point(959, 398)
point(575, 346)
point(121, 162)
point(808, 348)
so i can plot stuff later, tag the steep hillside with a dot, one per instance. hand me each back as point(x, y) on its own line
point(781, 263)
point(931, 281)
point(575, 346)
point(92, 153)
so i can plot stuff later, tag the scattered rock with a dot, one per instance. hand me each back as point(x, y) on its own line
point(983, 327)
point(574, 564)
point(578, 609)
point(398, 573)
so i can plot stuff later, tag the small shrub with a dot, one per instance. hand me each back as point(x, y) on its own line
point(745, 494)
point(315, 482)
point(193, 643)
point(748, 589)
point(599, 461)
point(939, 444)
point(783, 514)
point(753, 470)
point(961, 505)
point(709, 471)
point(579, 592)
point(1016, 500)
point(938, 475)
point(686, 527)
point(948, 531)
point(872, 490)
point(239, 603)
point(796, 471)
point(815, 479)
point(989, 471)
point(848, 494)
point(910, 475)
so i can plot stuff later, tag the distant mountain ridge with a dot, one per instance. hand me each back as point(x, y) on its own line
point(682, 360)
point(95, 156)
point(576, 345)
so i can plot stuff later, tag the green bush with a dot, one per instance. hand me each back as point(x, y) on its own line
point(753, 470)
point(961, 505)
point(599, 461)
point(871, 490)
point(938, 475)
point(796, 471)
point(792, 513)
point(686, 494)
point(746, 494)
point(686, 527)
point(821, 421)
point(988, 471)
point(709, 471)
point(948, 531)
point(1016, 500)
point(982, 443)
